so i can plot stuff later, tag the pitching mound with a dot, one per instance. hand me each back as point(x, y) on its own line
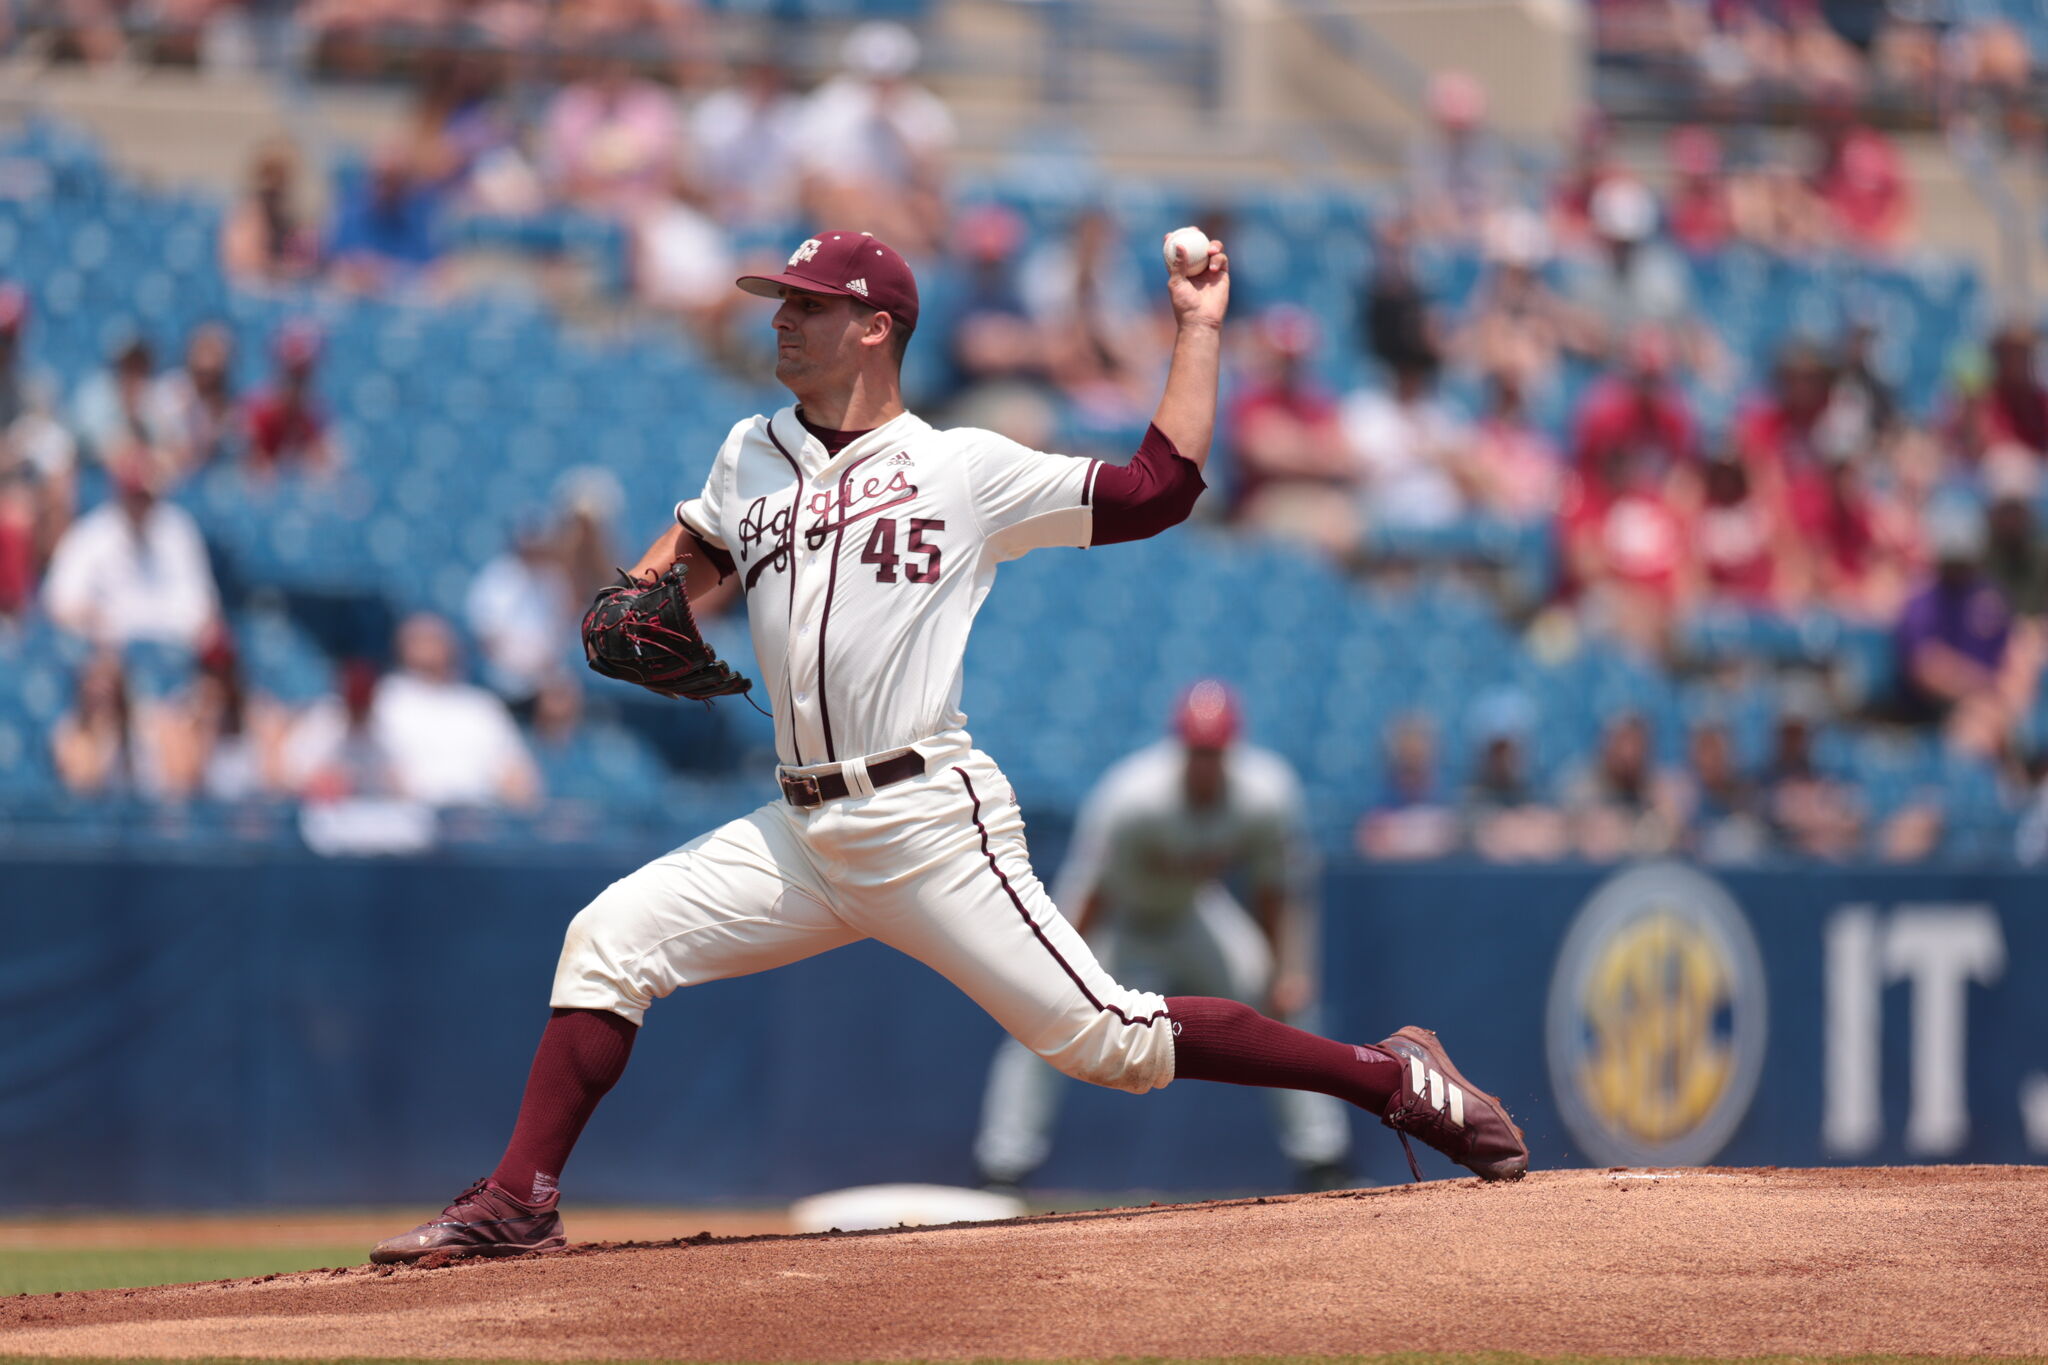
point(1947, 1260)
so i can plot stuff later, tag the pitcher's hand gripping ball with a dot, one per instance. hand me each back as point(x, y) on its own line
point(641, 631)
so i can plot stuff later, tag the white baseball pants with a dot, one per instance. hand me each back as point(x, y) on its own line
point(934, 866)
point(1216, 950)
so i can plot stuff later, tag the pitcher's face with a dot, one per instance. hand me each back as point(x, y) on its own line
point(817, 340)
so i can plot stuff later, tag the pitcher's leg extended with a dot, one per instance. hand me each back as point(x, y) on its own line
point(979, 916)
point(735, 901)
point(1218, 950)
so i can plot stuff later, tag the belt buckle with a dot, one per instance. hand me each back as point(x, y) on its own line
point(802, 790)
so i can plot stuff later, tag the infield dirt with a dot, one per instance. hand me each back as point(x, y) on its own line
point(1935, 1261)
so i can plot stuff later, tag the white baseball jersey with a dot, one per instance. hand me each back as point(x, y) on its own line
point(863, 570)
point(1149, 853)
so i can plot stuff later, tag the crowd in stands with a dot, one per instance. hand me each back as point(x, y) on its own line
point(1924, 57)
point(699, 174)
point(1578, 395)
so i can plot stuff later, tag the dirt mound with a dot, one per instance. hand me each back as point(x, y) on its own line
point(1920, 1260)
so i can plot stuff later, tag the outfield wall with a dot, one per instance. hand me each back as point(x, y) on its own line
point(290, 1031)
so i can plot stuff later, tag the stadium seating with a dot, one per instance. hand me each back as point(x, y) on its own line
point(459, 419)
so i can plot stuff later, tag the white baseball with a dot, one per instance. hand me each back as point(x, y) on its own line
point(1187, 250)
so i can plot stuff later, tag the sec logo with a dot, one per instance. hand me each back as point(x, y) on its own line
point(1656, 1023)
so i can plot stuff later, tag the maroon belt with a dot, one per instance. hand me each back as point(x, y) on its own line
point(815, 789)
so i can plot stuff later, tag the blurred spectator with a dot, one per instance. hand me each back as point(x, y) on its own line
point(1412, 450)
point(1635, 426)
point(1518, 325)
point(463, 141)
point(1856, 552)
point(2015, 559)
point(1099, 316)
point(599, 765)
point(663, 30)
point(1621, 804)
point(1400, 331)
point(1726, 825)
point(1294, 473)
point(1648, 28)
point(1458, 172)
point(1625, 552)
point(747, 143)
point(133, 568)
point(1809, 812)
point(284, 424)
point(1697, 207)
point(265, 238)
point(93, 743)
point(1861, 181)
point(21, 554)
point(562, 746)
point(521, 610)
point(1863, 408)
point(384, 234)
point(590, 499)
point(93, 28)
point(610, 141)
point(112, 412)
point(449, 743)
point(1515, 470)
point(1961, 662)
point(1742, 552)
point(216, 740)
point(1628, 278)
point(2016, 405)
point(683, 263)
point(334, 751)
point(38, 463)
point(1409, 820)
point(1510, 820)
point(875, 142)
point(1779, 436)
point(994, 340)
point(1592, 164)
point(24, 389)
point(1823, 63)
point(1774, 206)
point(192, 409)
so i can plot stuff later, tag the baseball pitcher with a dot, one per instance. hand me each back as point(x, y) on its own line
point(864, 540)
point(1156, 841)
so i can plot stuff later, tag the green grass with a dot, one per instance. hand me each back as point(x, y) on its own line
point(41, 1272)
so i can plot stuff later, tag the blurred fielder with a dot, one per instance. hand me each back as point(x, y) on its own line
point(1155, 846)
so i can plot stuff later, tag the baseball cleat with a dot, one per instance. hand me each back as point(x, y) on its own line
point(1437, 1104)
point(481, 1221)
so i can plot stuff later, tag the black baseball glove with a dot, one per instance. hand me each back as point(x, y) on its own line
point(642, 631)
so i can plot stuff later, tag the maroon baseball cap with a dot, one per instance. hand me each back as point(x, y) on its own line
point(853, 264)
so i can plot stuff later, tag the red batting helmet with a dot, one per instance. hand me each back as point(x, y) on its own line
point(1207, 716)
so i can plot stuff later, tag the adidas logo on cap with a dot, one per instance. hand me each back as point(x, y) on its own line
point(859, 286)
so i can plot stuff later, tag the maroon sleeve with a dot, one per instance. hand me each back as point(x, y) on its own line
point(1157, 489)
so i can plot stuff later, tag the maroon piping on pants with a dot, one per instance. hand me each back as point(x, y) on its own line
point(796, 502)
point(1037, 932)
